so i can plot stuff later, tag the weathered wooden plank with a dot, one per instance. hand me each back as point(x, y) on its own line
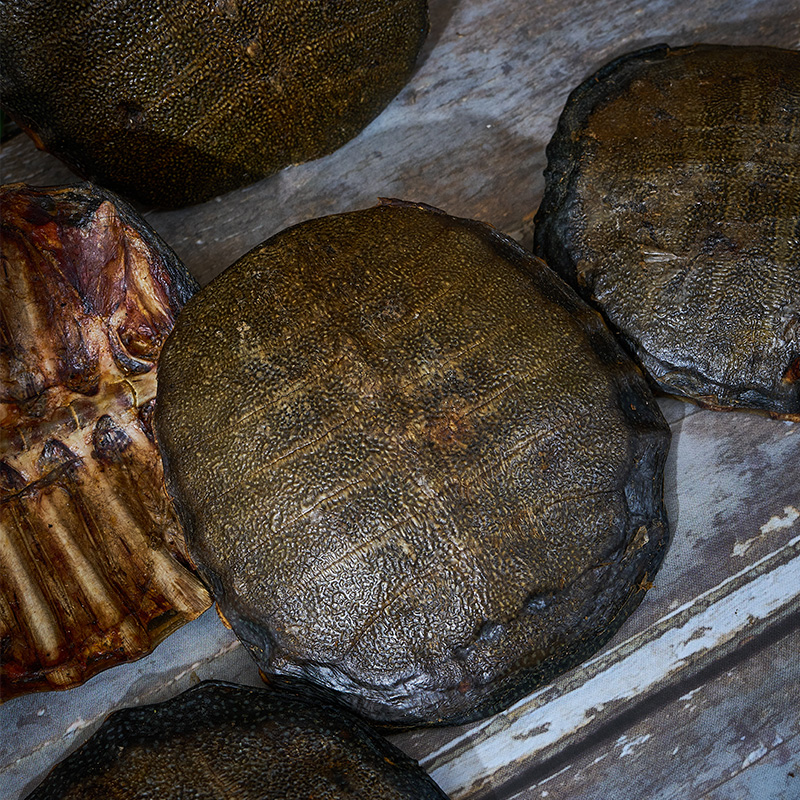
point(725, 738)
point(506, 749)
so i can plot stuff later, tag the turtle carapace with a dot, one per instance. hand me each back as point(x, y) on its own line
point(171, 102)
point(218, 741)
point(672, 202)
point(411, 463)
point(92, 568)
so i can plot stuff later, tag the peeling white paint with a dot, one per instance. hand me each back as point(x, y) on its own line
point(791, 515)
point(751, 758)
point(555, 775)
point(627, 748)
point(740, 548)
point(77, 725)
point(677, 609)
point(525, 730)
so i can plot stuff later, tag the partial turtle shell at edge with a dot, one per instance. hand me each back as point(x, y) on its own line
point(171, 102)
point(218, 741)
point(672, 202)
point(93, 571)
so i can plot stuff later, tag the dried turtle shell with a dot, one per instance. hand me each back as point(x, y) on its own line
point(88, 293)
point(217, 741)
point(174, 101)
point(672, 201)
point(412, 464)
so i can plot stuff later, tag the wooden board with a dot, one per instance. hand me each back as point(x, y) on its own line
point(698, 694)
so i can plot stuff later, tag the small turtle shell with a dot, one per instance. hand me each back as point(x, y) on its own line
point(217, 741)
point(413, 465)
point(171, 102)
point(672, 201)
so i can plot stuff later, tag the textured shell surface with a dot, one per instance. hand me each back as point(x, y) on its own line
point(413, 465)
point(171, 102)
point(672, 202)
point(217, 741)
point(92, 569)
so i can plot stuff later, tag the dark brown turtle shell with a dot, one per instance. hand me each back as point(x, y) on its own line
point(172, 102)
point(217, 741)
point(92, 572)
point(413, 465)
point(672, 201)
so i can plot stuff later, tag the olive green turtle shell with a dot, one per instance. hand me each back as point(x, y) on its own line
point(411, 463)
point(672, 201)
point(217, 741)
point(171, 102)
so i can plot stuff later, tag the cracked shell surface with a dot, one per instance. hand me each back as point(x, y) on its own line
point(171, 102)
point(413, 465)
point(92, 572)
point(217, 741)
point(672, 202)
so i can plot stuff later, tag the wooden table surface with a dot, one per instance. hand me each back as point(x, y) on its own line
point(698, 696)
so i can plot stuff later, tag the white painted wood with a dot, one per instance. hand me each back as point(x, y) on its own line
point(484, 756)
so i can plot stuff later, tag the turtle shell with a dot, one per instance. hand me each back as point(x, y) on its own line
point(217, 741)
point(171, 102)
point(672, 201)
point(413, 465)
point(92, 571)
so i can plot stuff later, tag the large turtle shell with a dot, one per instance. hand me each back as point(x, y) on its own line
point(92, 572)
point(217, 741)
point(411, 463)
point(672, 201)
point(173, 101)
